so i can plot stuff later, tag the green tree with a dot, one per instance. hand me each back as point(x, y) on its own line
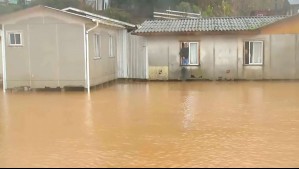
point(9, 8)
point(227, 8)
point(118, 14)
point(185, 7)
point(209, 12)
point(22, 3)
point(59, 4)
point(188, 7)
point(195, 9)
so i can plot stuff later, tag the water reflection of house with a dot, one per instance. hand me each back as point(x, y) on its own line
point(293, 6)
point(224, 48)
point(45, 47)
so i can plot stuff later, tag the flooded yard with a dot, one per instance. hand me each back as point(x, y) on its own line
point(156, 124)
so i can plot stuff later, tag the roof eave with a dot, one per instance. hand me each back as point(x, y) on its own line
point(125, 24)
point(243, 32)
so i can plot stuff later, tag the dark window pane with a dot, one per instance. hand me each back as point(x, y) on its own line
point(251, 53)
point(12, 39)
point(246, 52)
point(18, 39)
point(184, 53)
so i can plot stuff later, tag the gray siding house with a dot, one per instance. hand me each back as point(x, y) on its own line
point(45, 47)
point(225, 48)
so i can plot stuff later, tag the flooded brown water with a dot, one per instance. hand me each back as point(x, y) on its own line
point(158, 124)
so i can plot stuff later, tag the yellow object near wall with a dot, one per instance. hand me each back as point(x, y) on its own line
point(158, 73)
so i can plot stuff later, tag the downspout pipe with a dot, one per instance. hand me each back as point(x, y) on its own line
point(87, 54)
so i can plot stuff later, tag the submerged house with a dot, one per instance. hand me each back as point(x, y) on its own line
point(46, 47)
point(223, 48)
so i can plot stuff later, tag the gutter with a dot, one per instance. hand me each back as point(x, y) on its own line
point(86, 53)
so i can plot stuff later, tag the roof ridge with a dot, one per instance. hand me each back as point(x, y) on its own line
point(226, 17)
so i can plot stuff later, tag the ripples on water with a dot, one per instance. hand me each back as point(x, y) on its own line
point(196, 124)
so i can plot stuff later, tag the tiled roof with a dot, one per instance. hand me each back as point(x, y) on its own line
point(207, 24)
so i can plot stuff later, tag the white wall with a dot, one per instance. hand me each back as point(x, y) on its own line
point(222, 57)
point(1, 70)
point(132, 63)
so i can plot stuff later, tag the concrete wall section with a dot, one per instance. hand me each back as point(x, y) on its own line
point(17, 58)
point(207, 57)
point(102, 69)
point(283, 56)
point(44, 59)
point(52, 55)
point(174, 59)
point(158, 55)
point(226, 51)
point(222, 57)
point(71, 55)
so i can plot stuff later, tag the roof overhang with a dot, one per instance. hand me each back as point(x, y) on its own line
point(83, 18)
point(252, 32)
point(83, 13)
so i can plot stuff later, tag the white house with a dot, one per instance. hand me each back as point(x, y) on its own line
point(46, 47)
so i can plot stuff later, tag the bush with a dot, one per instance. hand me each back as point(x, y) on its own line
point(118, 14)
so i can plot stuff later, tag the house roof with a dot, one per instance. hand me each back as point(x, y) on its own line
point(213, 24)
point(91, 18)
point(71, 12)
point(294, 2)
point(95, 16)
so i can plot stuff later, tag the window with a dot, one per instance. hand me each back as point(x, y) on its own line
point(111, 46)
point(189, 53)
point(97, 47)
point(253, 52)
point(15, 39)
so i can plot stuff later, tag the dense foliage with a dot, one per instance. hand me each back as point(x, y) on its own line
point(136, 10)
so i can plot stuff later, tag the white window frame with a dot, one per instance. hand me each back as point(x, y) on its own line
point(15, 33)
point(97, 46)
point(249, 55)
point(197, 47)
point(111, 46)
point(189, 58)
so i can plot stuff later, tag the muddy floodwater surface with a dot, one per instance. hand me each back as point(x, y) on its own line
point(155, 124)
